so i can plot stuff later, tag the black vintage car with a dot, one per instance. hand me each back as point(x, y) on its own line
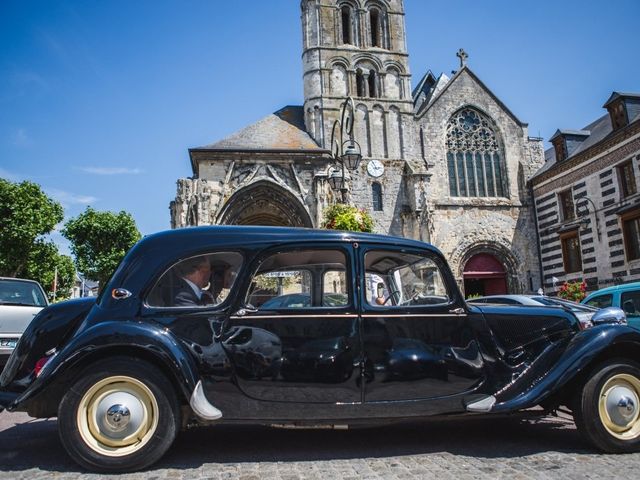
point(370, 329)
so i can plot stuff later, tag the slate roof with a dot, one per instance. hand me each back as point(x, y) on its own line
point(444, 83)
point(600, 129)
point(282, 130)
point(616, 95)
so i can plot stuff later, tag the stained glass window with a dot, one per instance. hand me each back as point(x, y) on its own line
point(475, 156)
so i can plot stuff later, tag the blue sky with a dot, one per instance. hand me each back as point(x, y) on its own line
point(100, 100)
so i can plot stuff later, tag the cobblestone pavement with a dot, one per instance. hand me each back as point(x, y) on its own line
point(512, 448)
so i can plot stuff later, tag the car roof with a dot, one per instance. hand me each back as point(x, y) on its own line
point(26, 280)
point(623, 287)
point(226, 234)
point(157, 250)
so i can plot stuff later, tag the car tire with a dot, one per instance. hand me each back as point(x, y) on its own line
point(607, 407)
point(121, 415)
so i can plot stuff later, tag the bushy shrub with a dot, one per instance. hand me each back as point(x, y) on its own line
point(346, 217)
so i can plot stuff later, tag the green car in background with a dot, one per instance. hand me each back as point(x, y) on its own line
point(626, 297)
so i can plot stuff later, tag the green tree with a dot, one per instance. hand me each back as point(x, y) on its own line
point(26, 213)
point(42, 265)
point(99, 241)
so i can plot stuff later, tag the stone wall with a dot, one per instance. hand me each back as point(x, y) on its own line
point(504, 226)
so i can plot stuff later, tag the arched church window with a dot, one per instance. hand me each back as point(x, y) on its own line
point(360, 84)
point(347, 37)
point(373, 90)
point(475, 157)
point(376, 193)
point(375, 26)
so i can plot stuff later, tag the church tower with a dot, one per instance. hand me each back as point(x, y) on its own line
point(357, 48)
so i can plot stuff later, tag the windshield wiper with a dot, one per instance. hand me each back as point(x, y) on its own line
point(20, 304)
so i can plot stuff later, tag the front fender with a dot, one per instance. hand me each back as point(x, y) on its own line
point(123, 337)
point(534, 386)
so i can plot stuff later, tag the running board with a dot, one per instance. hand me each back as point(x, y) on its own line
point(483, 405)
point(201, 406)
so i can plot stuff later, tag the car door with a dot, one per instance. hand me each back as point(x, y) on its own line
point(296, 339)
point(417, 341)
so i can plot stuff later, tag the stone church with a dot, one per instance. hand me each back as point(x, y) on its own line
point(446, 162)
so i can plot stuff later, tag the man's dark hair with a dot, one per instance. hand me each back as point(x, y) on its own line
point(190, 265)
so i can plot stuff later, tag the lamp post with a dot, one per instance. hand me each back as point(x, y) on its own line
point(583, 204)
point(345, 153)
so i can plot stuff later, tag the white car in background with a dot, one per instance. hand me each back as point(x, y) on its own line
point(20, 301)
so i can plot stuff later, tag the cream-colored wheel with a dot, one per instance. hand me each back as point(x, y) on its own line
point(117, 416)
point(121, 414)
point(619, 404)
point(606, 408)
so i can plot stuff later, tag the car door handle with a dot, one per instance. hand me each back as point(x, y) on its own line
point(247, 309)
point(457, 311)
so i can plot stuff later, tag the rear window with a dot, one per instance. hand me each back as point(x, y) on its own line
point(201, 281)
point(15, 292)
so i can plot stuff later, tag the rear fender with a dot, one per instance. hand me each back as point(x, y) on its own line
point(118, 337)
point(580, 352)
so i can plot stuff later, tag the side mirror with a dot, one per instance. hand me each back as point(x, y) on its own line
point(609, 315)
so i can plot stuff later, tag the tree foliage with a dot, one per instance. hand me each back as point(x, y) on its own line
point(26, 213)
point(99, 241)
point(345, 217)
point(42, 265)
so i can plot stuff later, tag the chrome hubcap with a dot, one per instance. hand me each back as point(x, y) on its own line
point(618, 406)
point(621, 405)
point(117, 418)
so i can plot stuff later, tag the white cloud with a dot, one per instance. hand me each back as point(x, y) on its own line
point(68, 198)
point(111, 170)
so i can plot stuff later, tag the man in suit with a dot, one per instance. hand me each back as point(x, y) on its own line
point(193, 276)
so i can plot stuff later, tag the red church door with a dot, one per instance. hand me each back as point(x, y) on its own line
point(484, 275)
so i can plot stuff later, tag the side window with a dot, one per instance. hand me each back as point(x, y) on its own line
point(300, 279)
point(403, 279)
point(204, 280)
point(601, 301)
point(631, 303)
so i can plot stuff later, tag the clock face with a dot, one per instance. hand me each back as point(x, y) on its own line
point(375, 168)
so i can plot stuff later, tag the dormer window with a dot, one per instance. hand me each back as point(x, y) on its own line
point(560, 146)
point(622, 108)
point(566, 143)
point(618, 115)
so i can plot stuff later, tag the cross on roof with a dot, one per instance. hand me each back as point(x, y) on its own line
point(462, 55)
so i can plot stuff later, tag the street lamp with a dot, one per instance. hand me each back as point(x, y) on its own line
point(345, 153)
point(583, 205)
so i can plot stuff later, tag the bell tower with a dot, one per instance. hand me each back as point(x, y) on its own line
point(357, 48)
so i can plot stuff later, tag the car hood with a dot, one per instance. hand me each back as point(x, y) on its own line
point(15, 318)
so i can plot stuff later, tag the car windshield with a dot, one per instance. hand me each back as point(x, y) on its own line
point(16, 292)
point(574, 307)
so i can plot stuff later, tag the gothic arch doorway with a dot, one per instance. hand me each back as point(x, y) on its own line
point(484, 274)
point(264, 203)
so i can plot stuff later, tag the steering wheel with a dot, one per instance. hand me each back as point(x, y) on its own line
point(391, 295)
